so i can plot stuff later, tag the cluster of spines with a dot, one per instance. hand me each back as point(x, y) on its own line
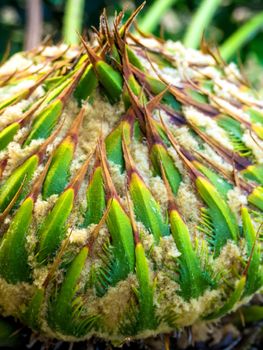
point(114, 65)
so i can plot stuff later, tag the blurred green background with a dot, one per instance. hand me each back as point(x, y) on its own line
point(218, 19)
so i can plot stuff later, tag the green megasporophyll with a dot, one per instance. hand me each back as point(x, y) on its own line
point(131, 190)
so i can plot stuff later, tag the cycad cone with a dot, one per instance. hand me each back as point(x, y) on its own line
point(130, 196)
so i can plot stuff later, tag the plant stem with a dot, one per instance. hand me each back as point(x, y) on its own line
point(34, 23)
point(73, 18)
point(241, 36)
point(153, 14)
point(200, 21)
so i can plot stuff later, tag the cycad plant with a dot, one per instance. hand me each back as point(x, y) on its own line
point(131, 190)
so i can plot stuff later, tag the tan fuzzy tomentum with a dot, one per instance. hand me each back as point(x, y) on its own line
point(131, 190)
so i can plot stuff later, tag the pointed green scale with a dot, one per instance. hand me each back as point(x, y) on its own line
point(196, 95)
point(83, 58)
point(254, 172)
point(250, 313)
point(55, 85)
point(147, 319)
point(133, 58)
point(216, 180)
point(254, 272)
point(146, 208)
point(21, 175)
point(207, 85)
point(7, 134)
point(14, 266)
point(235, 133)
point(58, 89)
point(160, 157)
point(224, 222)
point(110, 79)
point(136, 89)
point(13, 99)
point(53, 228)
point(115, 54)
point(256, 116)
point(45, 122)
point(61, 309)
point(95, 198)
point(256, 197)
point(86, 85)
point(31, 316)
point(120, 229)
point(193, 281)
point(171, 101)
point(230, 303)
point(24, 93)
point(230, 125)
point(53, 82)
point(157, 87)
point(162, 134)
point(59, 170)
point(137, 133)
point(113, 143)
point(258, 129)
point(162, 61)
